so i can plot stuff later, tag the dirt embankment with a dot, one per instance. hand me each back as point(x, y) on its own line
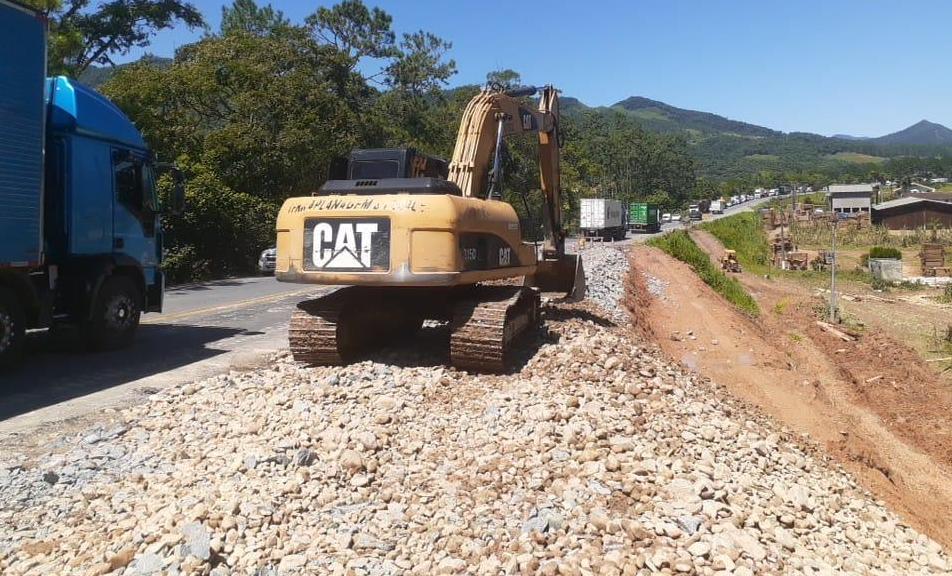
point(872, 403)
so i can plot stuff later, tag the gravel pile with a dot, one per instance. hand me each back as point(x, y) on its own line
point(597, 457)
point(656, 286)
point(605, 269)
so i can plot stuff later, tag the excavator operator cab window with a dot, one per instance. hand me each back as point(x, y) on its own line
point(374, 169)
point(384, 163)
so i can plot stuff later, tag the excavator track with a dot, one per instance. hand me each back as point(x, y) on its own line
point(337, 328)
point(312, 333)
point(486, 325)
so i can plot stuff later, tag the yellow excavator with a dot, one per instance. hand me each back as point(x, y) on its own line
point(413, 238)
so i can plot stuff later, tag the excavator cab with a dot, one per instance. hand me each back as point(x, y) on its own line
point(386, 163)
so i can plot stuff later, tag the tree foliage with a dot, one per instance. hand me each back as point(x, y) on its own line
point(256, 112)
point(246, 16)
point(81, 36)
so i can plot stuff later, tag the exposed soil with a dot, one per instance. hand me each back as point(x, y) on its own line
point(872, 403)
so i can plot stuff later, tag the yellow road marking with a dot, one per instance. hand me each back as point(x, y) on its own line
point(165, 318)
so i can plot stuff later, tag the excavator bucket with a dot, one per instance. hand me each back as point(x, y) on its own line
point(564, 275)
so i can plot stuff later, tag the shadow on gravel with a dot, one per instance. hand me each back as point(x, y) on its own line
point(429, 348)
point(57, 368)
point(563, 314)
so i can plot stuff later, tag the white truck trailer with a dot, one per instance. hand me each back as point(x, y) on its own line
point(602, 218)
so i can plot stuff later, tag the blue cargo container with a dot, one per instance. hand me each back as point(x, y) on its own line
point(22, 72)
point(80, 235)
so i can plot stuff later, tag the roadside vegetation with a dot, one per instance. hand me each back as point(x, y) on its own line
point(743, 233)
point(256, 111)
point(680, 245)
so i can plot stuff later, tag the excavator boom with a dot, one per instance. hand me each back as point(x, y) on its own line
point(490, 117)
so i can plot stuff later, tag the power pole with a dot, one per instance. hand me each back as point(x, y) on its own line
point(833, 274)
point(783, 243)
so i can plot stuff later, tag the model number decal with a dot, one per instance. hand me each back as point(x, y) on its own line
point(480, 251)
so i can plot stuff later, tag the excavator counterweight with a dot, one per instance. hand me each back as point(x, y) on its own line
point(413, 238)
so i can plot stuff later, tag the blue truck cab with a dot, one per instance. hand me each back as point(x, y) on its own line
point(80, 230)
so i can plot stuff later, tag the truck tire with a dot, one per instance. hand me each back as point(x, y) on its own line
point(12, 329)
point(115, 314)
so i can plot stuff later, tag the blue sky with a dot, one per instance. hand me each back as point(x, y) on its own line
point(861, 67)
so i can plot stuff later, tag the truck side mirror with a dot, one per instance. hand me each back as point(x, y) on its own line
point(175, 204)
point(178, 192)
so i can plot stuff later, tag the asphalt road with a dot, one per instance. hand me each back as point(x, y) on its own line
point(206, 329)
point(669, 226)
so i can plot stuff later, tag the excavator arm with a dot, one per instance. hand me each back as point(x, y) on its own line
point(489, 118)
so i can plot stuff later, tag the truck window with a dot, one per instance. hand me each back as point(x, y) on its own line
point(135, 188)
point(128, 174)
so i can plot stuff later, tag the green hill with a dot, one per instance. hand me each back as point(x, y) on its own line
point(661, 117)
point(922, 133)
point(726, 148)
point(96, 76)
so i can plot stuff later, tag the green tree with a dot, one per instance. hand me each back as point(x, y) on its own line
point(505, 79)
point(246, 16)
point(254, 117)
point(355, 30)
point(81, 37)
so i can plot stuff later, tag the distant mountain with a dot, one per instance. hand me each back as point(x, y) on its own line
point(848, 137)
point(569, 104)
point(96, 76)
point(662, 117)
point(725, 148)
point(922, 133)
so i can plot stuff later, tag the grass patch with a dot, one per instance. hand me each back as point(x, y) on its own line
point(856, 158)
point(781, 306)
point(946, 297)
point(679, 245)
point(745, 234)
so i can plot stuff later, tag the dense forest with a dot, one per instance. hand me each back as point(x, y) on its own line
point(254, 113)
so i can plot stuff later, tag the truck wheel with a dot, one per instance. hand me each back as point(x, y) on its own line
point(12, 329)
point(115, 314)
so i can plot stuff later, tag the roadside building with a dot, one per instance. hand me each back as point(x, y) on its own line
point(913, 212)
point(916, 188)
point(938, 196)
point(854, 199)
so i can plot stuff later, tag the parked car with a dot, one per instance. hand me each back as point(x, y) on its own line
point(665, 217)
point(675, 217)
point(267, 260)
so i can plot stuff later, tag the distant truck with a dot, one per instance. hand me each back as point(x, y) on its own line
point(602, 218)
point(80, 236)
point(704, 206)
point(644, 218)
point(694, 212)
point(717, 207)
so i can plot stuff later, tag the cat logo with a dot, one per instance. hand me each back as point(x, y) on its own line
point(347, 245)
